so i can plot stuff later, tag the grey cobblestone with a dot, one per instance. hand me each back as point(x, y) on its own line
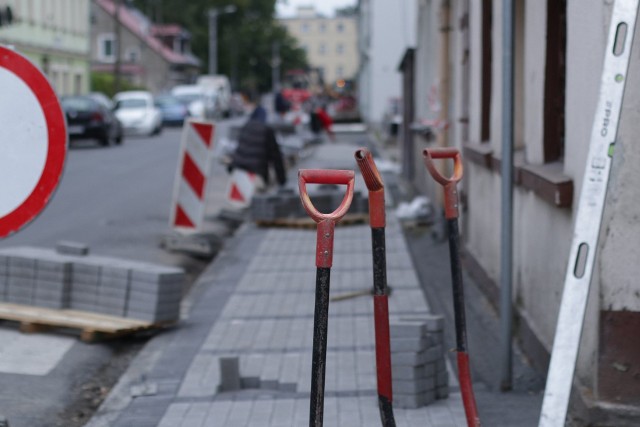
point(267, 322)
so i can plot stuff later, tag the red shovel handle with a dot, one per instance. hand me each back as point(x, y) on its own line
point(373, 179)
point(326, 176)
point(449, 184)
point(369, 170)
point(326, 222)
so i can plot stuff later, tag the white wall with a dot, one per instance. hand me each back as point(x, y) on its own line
point(392, 30)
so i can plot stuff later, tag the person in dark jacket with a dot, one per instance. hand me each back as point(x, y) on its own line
point(258, 148)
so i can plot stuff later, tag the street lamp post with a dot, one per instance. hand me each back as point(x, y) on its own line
point(213, 35)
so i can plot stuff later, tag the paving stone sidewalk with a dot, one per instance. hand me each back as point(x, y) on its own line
point(255, 303)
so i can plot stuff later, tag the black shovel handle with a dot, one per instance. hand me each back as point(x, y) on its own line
point(324, 258)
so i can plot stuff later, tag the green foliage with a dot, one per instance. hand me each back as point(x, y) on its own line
point(245, 37)
point(347, 11)
point(105, 83)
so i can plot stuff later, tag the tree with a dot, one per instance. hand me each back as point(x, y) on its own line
point(347, 11)
point(245, 37)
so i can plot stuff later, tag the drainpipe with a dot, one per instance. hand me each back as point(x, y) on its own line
point(444, 71)
point(442, 136)
point(506, 232)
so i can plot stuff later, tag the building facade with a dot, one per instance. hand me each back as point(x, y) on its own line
point(559, 51)
point(386, 29)
point(151, 56)
point(330, 43)
point(55, 37)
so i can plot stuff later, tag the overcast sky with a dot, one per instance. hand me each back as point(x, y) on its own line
point(287, 8)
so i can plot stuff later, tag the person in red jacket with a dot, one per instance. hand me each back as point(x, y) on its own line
point(322, 121)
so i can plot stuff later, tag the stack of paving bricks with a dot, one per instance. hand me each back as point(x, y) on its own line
point(32, 277)
point(45, 278)
point(417, 361)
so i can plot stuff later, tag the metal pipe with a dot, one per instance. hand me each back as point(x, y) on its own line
point(506, 231)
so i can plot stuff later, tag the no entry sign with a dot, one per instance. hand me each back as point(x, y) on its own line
point(33, 141)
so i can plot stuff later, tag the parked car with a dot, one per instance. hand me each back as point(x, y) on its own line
point(90, 119)
point(137, 112)
point(201, 102)
point(174, 112)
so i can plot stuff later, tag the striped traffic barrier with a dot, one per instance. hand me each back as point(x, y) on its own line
point(188, 204)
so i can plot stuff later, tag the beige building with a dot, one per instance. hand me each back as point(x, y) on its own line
point(55, 37)
point(331, 43)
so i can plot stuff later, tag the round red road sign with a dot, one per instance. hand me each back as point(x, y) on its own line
point(33, 141)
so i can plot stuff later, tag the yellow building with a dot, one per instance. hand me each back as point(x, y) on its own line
point(331, 43)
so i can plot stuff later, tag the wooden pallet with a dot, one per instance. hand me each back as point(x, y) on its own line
point(92, 326)
point(308, 223)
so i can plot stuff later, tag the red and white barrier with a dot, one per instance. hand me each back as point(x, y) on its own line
point(242, 186)
point(188, 205)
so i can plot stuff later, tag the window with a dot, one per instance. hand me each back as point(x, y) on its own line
point(106, 47)
point(304, 27)
point(485, 124)
point(340, 72)
point(322, 49)
point(554, 85)
point(133, 54)
point(340, 49)
point(340, 27)
point(322, 27)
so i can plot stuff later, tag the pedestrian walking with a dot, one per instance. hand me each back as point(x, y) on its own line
point(258, 151)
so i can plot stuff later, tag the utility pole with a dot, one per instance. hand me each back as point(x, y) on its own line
point(213, 35)
point(275, 66)
point(118, 31)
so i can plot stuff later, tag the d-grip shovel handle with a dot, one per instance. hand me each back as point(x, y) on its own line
point(373, 179)
point(449, 184)
point(326, 222)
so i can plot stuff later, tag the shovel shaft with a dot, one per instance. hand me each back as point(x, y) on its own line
point(466, 389)
point(451, 213)
point(457, 285)
point(464, 370)
point(377, 220)
point(319, 356)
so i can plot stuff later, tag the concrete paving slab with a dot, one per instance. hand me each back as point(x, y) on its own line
point(256, 303)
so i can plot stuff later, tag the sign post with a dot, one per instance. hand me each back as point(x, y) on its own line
point(33, 141)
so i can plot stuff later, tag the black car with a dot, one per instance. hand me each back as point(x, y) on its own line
point(88, 118)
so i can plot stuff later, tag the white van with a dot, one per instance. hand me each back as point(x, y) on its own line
point(201, 102)
point(221, 86)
